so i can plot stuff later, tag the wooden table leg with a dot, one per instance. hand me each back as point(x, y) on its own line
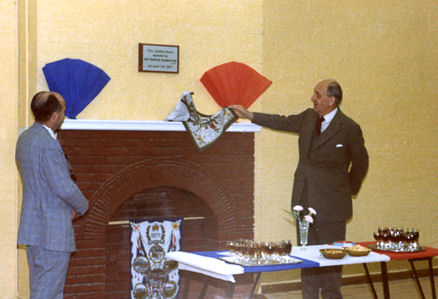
point(204, 288)
point(185, 294)
point(370, 281)
point(230, 291)
point(415, 276)
point(254, 286)
point(432, 280)
point(385, 280)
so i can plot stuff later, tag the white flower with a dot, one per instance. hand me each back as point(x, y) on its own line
point(311, 211)
point(297, 208)
point(308, 218)
point(296, 212)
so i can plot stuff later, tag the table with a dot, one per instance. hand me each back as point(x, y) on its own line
point(208, 263)
point(311, 257)
point(428, 254)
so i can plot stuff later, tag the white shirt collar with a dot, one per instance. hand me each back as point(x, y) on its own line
point(53, 134)
point(328, 119)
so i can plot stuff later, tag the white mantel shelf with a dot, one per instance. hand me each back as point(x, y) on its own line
point(149, 125)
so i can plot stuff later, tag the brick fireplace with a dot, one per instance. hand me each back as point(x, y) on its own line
point(141, 172)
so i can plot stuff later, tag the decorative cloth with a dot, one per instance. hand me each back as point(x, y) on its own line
point(78, 81)
point(234, 83)
point(204, 129)
point(153, 275)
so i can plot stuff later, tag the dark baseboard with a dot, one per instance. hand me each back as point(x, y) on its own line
point(351, 280)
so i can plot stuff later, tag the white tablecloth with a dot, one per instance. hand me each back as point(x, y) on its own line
point(206, 265)
point(219, 269)
point(312, 253)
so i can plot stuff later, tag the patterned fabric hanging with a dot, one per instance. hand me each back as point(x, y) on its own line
point(203, 129)
point(152, 274)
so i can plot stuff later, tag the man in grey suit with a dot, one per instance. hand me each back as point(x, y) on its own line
point(51, 200)
point(333, 162)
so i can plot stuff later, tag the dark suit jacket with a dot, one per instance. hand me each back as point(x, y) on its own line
point(49, 194)
point(332, 165)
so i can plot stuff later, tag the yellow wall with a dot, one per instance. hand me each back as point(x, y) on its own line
point(107, 33)
point(384, 55)
point(381, 52)
point(8, 135)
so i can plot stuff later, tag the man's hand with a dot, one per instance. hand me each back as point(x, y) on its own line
point(241, 112)
point(74, 215)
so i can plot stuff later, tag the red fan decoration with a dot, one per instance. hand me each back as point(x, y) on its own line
point(234, 83)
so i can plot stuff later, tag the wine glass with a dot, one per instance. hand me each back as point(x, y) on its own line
point(413, 239)
point(231, 246)
point(287, 246)
point(378, 237)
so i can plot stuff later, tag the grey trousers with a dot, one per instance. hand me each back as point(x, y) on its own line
point(48, 271)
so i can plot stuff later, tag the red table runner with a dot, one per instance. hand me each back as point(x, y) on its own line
point(429, 252)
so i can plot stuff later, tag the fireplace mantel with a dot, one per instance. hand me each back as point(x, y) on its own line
point(149, 125)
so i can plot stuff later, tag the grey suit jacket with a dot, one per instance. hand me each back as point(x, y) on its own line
point(332, 165)
point(49, 194)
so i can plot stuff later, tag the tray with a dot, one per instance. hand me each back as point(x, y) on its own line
point(418, 249)
point(265, 262)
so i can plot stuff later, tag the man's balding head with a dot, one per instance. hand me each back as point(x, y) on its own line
point(44, 104)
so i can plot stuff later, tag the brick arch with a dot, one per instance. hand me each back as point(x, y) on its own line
point(148, 174)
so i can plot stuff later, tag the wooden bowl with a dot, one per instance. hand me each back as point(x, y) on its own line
point(333, 253)
point(354, 252)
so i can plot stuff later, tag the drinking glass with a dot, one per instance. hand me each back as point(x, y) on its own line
point(264, 247)
point(397, 238)
point(277, 251)
point(239, 248)
point(287, 246)
point(270, 249)
point(252, 249)
point(413, 239)
point(258, 253)
point(406, 237)
point(386, 235)
point(378, 237)
point(231, 246)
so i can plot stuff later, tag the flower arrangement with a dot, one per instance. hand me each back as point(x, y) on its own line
point(303, 222)
point(296, 212)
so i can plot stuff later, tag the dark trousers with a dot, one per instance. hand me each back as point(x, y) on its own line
point(324, 279)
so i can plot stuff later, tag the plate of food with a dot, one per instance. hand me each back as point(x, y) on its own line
point(358, 250)
point(333, 253)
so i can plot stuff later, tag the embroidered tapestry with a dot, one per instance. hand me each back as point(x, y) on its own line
point(152, 274)
point(203, 129)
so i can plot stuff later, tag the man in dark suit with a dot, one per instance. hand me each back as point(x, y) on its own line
point(332, 164)
point(51, 200)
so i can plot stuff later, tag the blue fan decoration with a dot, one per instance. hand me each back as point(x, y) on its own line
point(78, 81)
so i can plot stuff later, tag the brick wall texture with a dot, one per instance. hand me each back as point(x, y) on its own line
point(146, 175)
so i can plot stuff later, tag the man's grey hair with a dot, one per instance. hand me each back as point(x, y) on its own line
point(334, 90)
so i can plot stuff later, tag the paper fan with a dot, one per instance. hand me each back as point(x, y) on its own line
point(234, 83)
point(78, 81)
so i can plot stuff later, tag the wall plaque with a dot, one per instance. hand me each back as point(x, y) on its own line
point(158, 58)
